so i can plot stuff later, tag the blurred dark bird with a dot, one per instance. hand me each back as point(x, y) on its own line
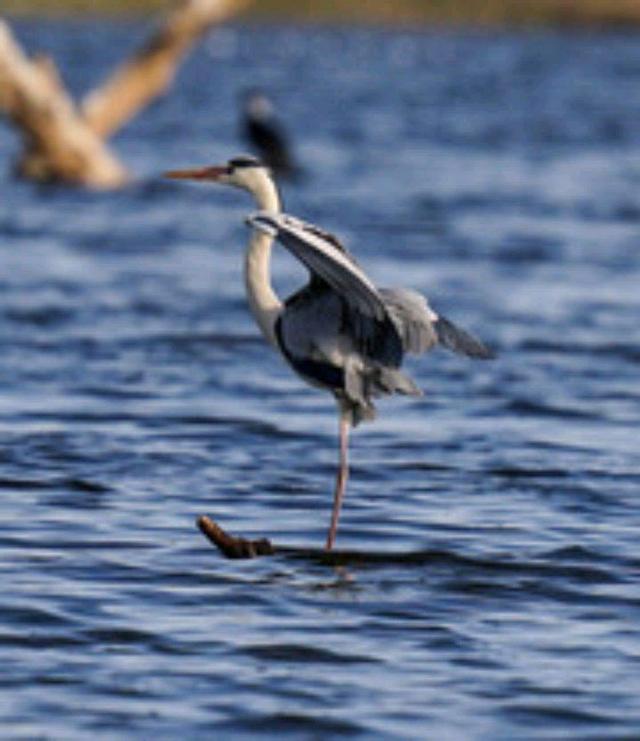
point(265, 134)
point(339, 332)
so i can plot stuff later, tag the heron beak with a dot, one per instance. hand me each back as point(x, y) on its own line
point(198, 173)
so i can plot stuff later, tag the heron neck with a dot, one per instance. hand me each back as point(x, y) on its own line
point(263, 301)
point(265, 193)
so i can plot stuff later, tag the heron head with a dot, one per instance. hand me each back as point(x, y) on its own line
point(244, 172)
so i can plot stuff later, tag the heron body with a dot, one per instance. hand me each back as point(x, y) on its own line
point(339, 332)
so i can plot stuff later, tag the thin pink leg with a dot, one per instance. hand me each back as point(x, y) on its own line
point(341, 478)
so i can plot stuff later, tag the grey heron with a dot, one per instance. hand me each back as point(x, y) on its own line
point(339, 332)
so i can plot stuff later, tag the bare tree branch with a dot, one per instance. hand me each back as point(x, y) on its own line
point(232, 546)
point(64, 143)
point(152, 69)
point(58, 143)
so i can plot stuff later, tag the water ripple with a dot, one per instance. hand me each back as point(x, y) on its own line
point(486, 585)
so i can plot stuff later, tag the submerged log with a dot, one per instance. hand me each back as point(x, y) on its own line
point(66, 143)
point(233, 547)
point(237, 548)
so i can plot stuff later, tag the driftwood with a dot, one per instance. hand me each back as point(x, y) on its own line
point(233, 547)
point(236, 548)
point(65, 142)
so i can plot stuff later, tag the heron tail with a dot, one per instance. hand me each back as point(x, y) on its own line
point(362, 385)
point(357, 411)
point(393, 381)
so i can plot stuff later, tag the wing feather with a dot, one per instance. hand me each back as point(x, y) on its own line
point(420, 328)
point(460, 341)
point(365, 318)
point(383, 322)
point(414, 319)
point(325, 257)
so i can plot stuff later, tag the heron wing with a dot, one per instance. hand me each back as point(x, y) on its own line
point(325, 258)
point(459, 340)
point(414, 319)
point(318, 319)
point(364, 317)
point(420, 328)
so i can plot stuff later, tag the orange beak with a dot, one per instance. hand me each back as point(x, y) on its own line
point(198, 173)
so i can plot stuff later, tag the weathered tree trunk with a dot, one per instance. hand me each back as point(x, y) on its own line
point(66, 143)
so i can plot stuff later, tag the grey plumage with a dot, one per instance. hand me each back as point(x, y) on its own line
point(460, 341)
point(421, 328)
point(413, 318)
point(324, 256)
point(341, 332)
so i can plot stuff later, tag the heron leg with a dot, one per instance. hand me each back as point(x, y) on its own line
point(341, 478)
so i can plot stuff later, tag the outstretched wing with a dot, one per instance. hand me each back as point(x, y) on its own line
point(325, 258)
point(366, 317)
point(420, 328)
point(383, 322)
point(459, 340)
point(413, 318)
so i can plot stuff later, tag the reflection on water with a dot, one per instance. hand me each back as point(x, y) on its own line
point(496, 173)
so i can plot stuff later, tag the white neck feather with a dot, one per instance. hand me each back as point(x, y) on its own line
point(263, 301)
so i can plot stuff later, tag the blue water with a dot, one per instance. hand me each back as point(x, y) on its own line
point(497, 173)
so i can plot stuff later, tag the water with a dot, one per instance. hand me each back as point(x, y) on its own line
point(497, 173)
